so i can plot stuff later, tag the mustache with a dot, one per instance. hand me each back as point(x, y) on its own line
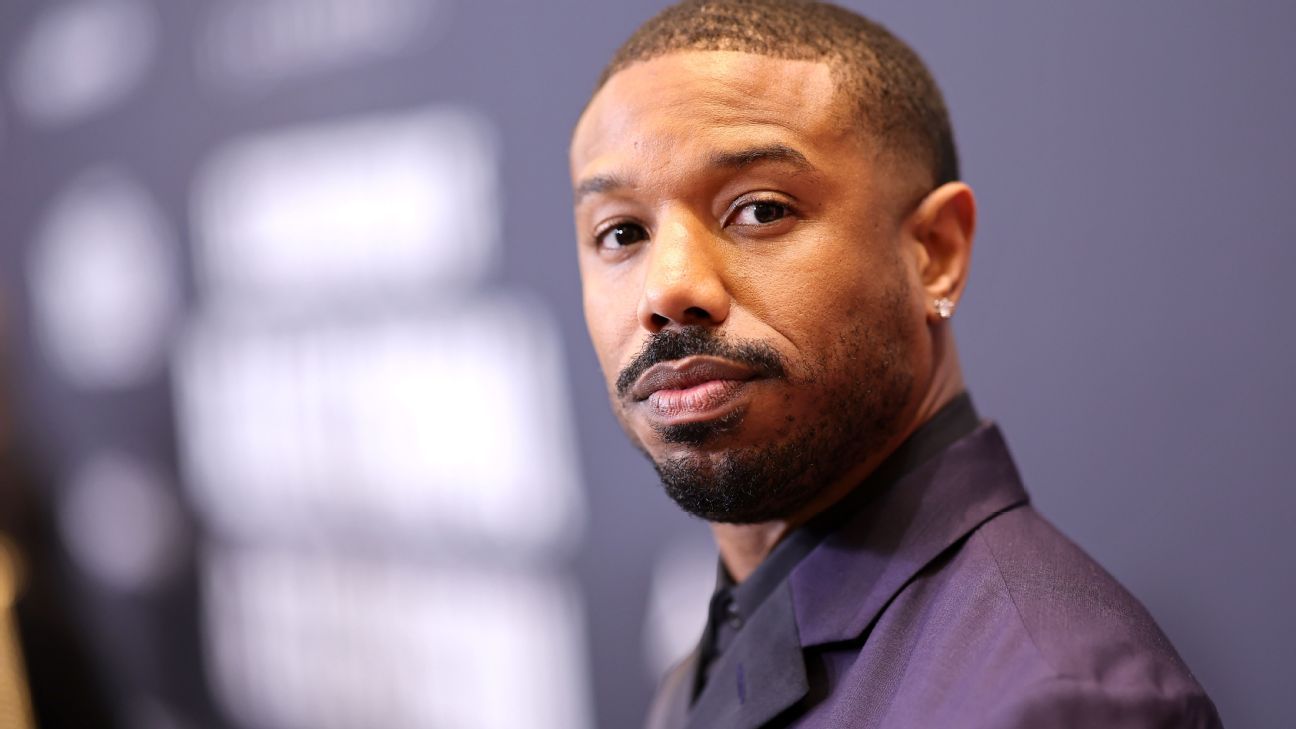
point(673, 344)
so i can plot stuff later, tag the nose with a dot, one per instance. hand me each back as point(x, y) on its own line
point(684, 283)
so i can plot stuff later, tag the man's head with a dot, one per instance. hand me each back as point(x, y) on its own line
point(766, 214)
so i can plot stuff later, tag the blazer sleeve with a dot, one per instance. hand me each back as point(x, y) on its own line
point(1066, 703)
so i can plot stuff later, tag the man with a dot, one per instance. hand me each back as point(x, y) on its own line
point(773, 239)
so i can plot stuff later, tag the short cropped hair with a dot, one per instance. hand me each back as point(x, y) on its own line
point(896, 100)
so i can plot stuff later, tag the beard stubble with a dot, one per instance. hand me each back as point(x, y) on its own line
point(861, 387)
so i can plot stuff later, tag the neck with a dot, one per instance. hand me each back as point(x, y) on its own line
point(743, 547)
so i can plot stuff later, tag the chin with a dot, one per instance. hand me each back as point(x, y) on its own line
point(772, 462)
point(746, 485)
point(703, 434)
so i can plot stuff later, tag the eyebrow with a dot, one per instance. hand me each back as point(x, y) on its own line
point(737, 159)
point(768, 153)
point(597, 184)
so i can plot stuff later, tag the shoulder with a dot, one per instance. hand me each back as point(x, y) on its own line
point(1101, 658)
point(1012, 626)
point(1081, 620)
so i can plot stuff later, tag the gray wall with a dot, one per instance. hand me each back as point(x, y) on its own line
point(1127, 320)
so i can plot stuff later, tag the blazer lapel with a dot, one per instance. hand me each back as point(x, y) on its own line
point(760, 675)
point(841, 587)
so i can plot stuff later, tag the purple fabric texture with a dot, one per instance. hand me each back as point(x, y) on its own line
point(948, 602)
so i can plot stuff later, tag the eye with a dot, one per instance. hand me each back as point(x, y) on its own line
point(760, 212)
point(621, 235)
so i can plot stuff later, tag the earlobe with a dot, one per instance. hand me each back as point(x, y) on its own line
point(943, 226)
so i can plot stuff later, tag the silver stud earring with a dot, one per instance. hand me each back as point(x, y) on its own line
point(944, 307)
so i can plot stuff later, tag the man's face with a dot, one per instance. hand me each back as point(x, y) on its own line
point(750, 285)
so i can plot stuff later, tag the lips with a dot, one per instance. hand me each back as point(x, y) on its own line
point(691, 388)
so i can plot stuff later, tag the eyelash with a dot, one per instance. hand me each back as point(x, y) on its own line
point(753, 202)
point(735, 210)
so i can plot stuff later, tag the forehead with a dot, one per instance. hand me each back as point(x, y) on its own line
point(693, 99)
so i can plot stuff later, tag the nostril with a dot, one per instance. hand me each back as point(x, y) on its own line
point(691, 315)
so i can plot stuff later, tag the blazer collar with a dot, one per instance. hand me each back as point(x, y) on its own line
point(841, 586)
point(839, 589)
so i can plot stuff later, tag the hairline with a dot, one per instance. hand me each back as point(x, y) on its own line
point(851, 103)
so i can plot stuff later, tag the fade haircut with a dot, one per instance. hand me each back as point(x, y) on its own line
point(895, 98)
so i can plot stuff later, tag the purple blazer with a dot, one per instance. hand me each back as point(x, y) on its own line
point(949, 603)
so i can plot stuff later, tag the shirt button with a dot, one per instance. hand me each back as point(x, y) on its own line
point(735, 620)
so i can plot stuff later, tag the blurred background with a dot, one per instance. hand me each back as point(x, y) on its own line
point(301, 427)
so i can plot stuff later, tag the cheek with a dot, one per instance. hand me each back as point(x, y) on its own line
point(809, 298)
point(611, 323)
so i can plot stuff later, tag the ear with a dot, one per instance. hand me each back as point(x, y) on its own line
point(942, 227)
